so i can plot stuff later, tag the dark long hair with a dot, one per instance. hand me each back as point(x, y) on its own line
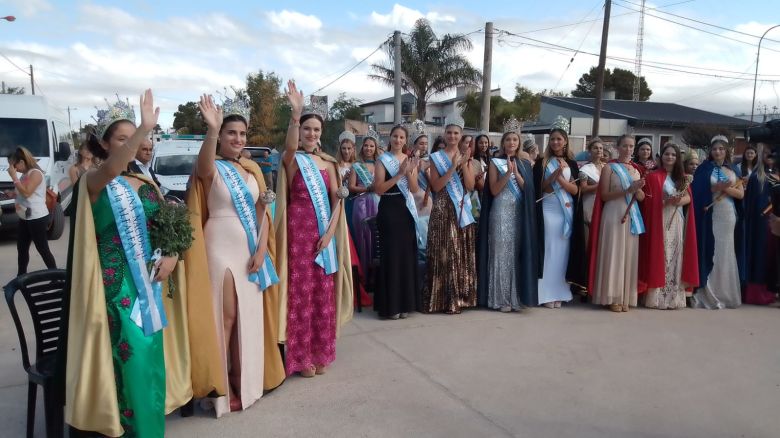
point(93, 143)
point(478, 154)
point(438, 144)
point(678, 170)
point(753, 163)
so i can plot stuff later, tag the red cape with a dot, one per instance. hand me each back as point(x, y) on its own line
point(652, 270)
point(595, 224)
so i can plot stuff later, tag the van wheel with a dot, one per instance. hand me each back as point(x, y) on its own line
point(56, 222)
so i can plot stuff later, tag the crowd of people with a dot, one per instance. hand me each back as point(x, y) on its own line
point(227, 303)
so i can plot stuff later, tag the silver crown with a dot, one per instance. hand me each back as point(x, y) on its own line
point(513, 125)
point(347, 135)
point(417, 130)
point(238, 105)
point(644, 140)
point(372, 135)
point(561, 123)
point(112, 114)
point(455, 119)
point(721, 138)
point(316, 106)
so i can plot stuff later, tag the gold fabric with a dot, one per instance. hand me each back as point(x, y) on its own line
point(207, 371)
point(176, 343)
point(343, 280)
point(452, 270)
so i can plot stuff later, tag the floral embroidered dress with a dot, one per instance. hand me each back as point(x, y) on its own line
point(139, 364)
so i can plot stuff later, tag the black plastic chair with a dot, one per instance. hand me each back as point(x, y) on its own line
point(43, 292)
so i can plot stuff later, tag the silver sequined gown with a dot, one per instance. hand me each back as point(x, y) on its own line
point(502, 238)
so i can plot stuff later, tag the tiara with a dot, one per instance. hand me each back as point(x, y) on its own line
point(236, 106)
point(721, 138)
point(112, 114)
point(372, 135)
point(512, 125)
point(417, 129)
point(526, 138)
point(455, 120)
point(644, 140)
point(347, 135)
point(317, 106)
point(561, 123)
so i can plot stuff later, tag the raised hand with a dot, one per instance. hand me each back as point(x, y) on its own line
point(211, 113)
point(295, 98)
point(510, 166)
point(149, 113)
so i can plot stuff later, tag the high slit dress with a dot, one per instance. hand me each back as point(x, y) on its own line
point(227, 251)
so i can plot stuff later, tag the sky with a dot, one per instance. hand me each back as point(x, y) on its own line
point(86, 51)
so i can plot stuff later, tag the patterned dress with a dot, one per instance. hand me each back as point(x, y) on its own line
point(139, 364)
point(311, 300)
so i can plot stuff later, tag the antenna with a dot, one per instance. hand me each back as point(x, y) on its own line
point(638, 60)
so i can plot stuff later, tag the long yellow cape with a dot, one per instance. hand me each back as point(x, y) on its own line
point(90, 388)
point(343, 280)
point(207, 371)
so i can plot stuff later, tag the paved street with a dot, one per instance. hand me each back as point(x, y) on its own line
point(574, 372)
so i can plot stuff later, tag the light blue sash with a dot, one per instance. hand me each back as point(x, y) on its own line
point(503, 166)
point(460, 201)
point(247, 214)
point(148, 312)
point(422, 181)
point(719, 176)
point(318, 192)
point(363, 174)
point(564, 198)
point(637, 225)
point(392, 165)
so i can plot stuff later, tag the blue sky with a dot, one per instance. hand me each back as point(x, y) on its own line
point(83, 51)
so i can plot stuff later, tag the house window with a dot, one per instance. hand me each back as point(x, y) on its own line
point(407, 108)
point(437, 121)
point(665, 139)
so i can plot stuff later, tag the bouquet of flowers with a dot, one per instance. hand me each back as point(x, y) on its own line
point(170, 232)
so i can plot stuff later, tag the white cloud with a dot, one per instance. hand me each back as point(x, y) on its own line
point(294, 22)
point(402, 17)
point(29, 8)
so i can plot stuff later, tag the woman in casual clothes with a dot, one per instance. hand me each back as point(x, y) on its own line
point(451, 277)
point(614, 239)
point(396, 181)
point(84, 162)
point(364, 201)
point(717, 197)
point(555, 181)
point(312, 245)
point(590, 183)
point(668, 261)
point(30, 190)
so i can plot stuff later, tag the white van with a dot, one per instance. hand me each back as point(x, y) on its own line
point(31, 122)
point(173, 162)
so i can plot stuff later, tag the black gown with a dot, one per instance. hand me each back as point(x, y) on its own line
point(397, 280)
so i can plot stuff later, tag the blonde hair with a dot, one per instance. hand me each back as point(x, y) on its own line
point(24, 155)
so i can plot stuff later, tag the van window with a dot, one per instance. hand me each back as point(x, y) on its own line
point(30, 133)
point(170, 165)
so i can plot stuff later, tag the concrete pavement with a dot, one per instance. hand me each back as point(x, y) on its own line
point(573, 372)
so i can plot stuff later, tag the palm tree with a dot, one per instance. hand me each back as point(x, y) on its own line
point(429, 65)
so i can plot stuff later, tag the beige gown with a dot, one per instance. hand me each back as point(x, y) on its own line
point(618, 251)
point(227, 250)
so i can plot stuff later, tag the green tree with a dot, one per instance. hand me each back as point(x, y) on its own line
point(619, 80)
point(12, 90)
point(345, 108)
point(525, 106)
point(429, 65)
point(187, 119)
point(265, 98)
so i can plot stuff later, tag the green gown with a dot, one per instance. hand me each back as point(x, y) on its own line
point(139, 364)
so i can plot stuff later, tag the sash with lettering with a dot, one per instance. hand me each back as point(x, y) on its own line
point(148, 312)
point(247, 214)
point(637, 225)
point(318, 192)
point(564, 198)
point(719, 176)
point(460, 201)
point(502, 165)
point(392, 165)
point(363, 174)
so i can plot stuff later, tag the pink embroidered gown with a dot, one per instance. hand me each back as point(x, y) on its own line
point(311, 303)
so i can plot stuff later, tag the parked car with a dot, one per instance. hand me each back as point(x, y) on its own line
point(173, 162)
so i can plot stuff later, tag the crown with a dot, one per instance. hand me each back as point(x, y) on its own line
point(417, 130)
point(347, 135)
point(719, 138)
point(455, 120)
point(112, 114)
point(236, 106)
point(561, 123)
point(644, 140)
point(317, 106)
point(513, 125)
point(527, 138)
point(372, 135)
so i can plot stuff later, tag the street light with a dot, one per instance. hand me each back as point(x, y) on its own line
point(755, 78)
point(8, 18)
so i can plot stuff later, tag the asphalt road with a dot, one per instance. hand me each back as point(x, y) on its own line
point(574, 372)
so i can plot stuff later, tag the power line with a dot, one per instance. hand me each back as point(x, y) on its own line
point(353, 67)
point(582, 42)
point(14, 64)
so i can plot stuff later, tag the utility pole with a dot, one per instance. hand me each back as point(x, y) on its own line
point(487, 71)
point(32, 80)
point(3, 87)
point(602, 65)
point(397, 77)
point(755, 78)
point(638, 60)
point(69, 126)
